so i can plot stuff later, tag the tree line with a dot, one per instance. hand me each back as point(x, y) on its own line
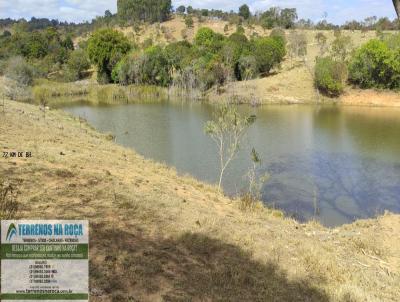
point(211, 60)
point(136, 11)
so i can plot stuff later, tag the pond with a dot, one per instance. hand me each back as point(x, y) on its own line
point(331, 163)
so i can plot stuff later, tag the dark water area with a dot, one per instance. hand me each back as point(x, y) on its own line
point(330, 163)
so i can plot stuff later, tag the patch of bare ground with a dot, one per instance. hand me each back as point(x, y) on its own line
point(158, 236)
point(357, 97)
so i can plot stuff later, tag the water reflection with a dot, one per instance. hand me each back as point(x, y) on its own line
point(332, 163)
point(336, 187)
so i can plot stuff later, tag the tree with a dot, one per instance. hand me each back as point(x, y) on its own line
point(107, 14)
point(253, 195)
point(269, 53)
point(270, 18)
point(189, 10)
point(105, 48)
point(244, 11)
point(181, 9)
point(288, 17)
point(204, 12)
point(227, 130)
point(144, 10)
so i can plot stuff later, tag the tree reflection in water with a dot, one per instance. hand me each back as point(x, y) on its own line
point(337, 188)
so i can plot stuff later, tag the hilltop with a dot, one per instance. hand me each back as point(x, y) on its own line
point(159, 236)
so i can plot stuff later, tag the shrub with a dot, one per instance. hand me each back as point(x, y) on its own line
point(240, 29)
point(179, 54)
point(247, 67)
point(149, 67)
point(207, 40)
point(375, 65)
point(330, 76)
point(20, 71)
point(77, 64)
point(278, 32)
point(189, 21)
point(269, 52)
point(155, 67)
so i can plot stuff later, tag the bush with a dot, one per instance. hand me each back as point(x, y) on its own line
point(247, 67)
point(77, 64)
point(20, 71)
point(149, 67)
point(189, 21)
point(330, 76)
point(156, 67)
point(278, 32)
point(269, 53)
point(375, 65)
point(207, 40)
point(179, 54)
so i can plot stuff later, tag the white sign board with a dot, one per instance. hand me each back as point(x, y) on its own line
point(44, 260)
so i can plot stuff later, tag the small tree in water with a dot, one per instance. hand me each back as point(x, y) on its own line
point(227, 130)
point(253, 195)
point(255, 183)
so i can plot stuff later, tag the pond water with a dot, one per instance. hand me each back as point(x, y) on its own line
point(335, 164)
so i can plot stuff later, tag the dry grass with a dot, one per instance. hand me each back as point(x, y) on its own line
point(58, 94)
point(157, 236)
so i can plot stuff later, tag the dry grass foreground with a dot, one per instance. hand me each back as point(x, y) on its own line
point(157, 236)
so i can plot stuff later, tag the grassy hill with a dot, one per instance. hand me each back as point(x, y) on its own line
point(159, 236)
point(292, 83)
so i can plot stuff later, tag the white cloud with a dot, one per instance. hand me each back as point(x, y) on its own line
point(83, 10)
point(64, 10)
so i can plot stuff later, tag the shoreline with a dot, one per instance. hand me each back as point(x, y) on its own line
point(116, 94)
point(251, 92)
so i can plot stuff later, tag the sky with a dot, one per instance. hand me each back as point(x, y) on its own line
point(338, 11)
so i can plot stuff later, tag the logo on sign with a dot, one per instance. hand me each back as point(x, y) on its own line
point(12, 231)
